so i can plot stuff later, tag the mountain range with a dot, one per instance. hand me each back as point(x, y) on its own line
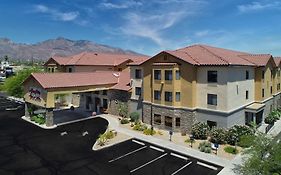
point(59, 46)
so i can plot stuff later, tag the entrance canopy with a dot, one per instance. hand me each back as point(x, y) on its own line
point(40, 88)
point(255, 107)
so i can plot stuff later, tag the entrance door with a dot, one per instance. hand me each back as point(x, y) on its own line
point(248, 118)
point(88, 102)
point(168, 122)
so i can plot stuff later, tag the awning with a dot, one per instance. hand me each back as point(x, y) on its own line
point(255, 107)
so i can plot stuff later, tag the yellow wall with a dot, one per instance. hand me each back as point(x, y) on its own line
point(186, 85)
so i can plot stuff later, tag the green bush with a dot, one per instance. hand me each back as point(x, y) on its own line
point(235, 132)
point(109, 135)
point(134, 116)
point(123, 109)
point(246, 141)
point(272, 117)
point(200, 130)
point(231, 150)
point(124, 121)
point(218, 135)
point(40, 119)
point(139, 127)
point(102, 139)
point(205, 147)
point(149, 131)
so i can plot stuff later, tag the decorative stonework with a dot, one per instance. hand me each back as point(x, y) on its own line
point(49, 117)
point(115, 97)
point(187, 117)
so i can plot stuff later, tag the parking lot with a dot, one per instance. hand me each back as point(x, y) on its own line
point(29, 150)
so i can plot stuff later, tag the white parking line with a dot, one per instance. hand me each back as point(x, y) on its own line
point(207, 166)
point(127, 154)
point(138, 142)
point(148, 163)
point(181, 168)
point(179, 156)
point(157, 149)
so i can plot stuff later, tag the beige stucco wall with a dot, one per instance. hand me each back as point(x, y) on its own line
point(135, 82)
point(230, 89)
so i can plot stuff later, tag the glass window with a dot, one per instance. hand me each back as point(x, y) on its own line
point(69, 69)
point(262, 74)
point(169, 96)
point(247, 95)
point(104, 92)
point(211, 124)
point(157, 95)
point(138, 74)
point(270, 89)
point(104, 103)
point(96, 92)
point(168, 75)
point(168, 122)
point(157, 74)
point(157, 119)
point(212, 77)
point(247, 75)
point(262, 93)
point(138, 91)
point(178, 122)
point(178, 76)
point(212, 99)
point(178, 96)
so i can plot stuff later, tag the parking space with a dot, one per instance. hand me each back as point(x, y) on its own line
point(151, 159)
point(28, 149)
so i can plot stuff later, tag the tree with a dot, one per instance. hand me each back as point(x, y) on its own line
point(263, 158)
point(6, 58)
point(13, 85)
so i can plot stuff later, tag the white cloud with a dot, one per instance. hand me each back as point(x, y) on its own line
point(257, 6)
point(56, 14)
point(124, 5)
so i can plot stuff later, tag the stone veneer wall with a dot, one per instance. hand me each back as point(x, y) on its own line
point(115, 97)
point(187, 117)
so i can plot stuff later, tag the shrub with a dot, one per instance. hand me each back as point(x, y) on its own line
point(38, 119)
point(134, 116)
point(102, 139)
point(139, 127)
point(149, 131)
point(205, 147)
point(160, 132)
point(272, 117)
point(124, 121)
point(200, 130)
point(231, 150)
point(235, 132)
point(189, 141)
point(246, 141)
point(109, 135)
point(123, 109)
point(218, 135)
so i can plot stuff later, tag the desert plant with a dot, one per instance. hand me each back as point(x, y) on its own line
point(134, 116)
point(231, 150)
point(149, 131)
point(102, 139)
point(109, 135)
point(123, 109)
point(218, 135)
point(200, 130)
point(189, 141)
point(124, 121)
point(139, 127)
point(160, 132)
point(205, 147)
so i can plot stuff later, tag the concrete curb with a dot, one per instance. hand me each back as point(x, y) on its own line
point(41, 126)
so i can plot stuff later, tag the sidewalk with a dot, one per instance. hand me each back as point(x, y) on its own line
point(114, 124)
point(276, 129)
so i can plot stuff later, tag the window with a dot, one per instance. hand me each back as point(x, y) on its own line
point(119, 69)
point(69, 69)
point(247, 95)
point(262, 74)
point(178, 96)
point(169, 96)
point(104, 92)
point(96, 92)
point(168, 122)
point(212, 77)
point(271, 73)
point(270, 89)
point(157, 119)
point(211, 124)
point(157, 95)
point(278, 86)
point(138, 91)
point(247, 75)
point(212, 99)
point(178, 75)
point(168, 75)
point(178, 122)
point(138, 74)
point(157, 74)
point(104, 103)
point(262, 94)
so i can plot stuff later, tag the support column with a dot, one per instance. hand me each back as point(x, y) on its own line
point(262, 117)
point(26, 112)
point(49, 117)
point(254, 118)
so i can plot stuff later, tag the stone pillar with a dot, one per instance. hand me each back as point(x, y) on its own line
point(262, 121)
point(26, 112)
point(49, 117)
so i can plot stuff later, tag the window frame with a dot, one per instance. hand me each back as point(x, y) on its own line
point(155, 121)
point(247, 75)
point(247, 94)
point(210, 99)
point(168, 75)
point(138, 91)
point(178, 96)
point(168, 96)
point(211, 79)
point(178, 75)
point(157, 72)
point(154, 95)
point(138, 74)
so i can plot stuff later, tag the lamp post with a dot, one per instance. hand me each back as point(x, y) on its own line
point(191, 138)
point(170, 133)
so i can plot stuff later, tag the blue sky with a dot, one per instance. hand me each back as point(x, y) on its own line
point(148, 26)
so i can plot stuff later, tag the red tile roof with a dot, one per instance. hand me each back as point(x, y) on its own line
point(207, 55)
point(98, 59)
point(61, 80)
